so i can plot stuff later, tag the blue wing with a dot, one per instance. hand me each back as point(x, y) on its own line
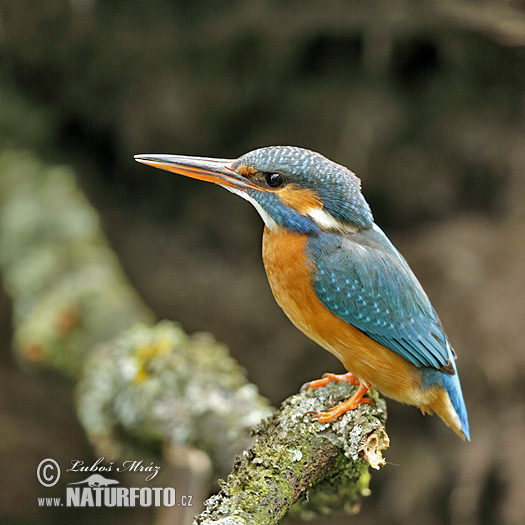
point(364, 280)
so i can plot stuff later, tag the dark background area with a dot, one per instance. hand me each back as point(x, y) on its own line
point(425, 101)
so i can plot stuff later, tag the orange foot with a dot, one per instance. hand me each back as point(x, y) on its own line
point(339, 409)
point(338, 378)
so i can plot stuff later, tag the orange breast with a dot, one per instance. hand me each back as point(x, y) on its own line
point(290, 276)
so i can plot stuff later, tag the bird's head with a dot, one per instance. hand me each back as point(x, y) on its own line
point(293, 188)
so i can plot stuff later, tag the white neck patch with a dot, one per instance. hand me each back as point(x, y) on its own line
point(325, 221)
point(322, 218)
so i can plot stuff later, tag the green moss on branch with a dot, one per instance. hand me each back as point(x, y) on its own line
point(68, 289)
point(156, 385)
point(321, 468)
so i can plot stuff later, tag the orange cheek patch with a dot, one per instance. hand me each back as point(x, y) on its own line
point(246, 171)
point(301, 199)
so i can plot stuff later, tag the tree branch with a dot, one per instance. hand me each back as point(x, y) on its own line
point(324, 466)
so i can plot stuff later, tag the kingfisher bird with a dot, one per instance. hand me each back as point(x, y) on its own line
point(339, 279)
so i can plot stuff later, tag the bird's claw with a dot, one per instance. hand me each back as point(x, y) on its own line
point(350, 404)
point(327, 378)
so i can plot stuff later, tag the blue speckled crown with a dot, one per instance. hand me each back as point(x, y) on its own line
point(336, 186)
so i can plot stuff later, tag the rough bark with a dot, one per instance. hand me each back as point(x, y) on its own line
point(322, 467)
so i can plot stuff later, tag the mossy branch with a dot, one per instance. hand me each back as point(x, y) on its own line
point(322, 467)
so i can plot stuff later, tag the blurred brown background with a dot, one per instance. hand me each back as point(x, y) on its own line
point(425, 101)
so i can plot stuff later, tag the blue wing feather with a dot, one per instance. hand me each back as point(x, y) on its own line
point(364, 280)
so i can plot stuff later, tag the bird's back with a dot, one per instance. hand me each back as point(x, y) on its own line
point(358, 299)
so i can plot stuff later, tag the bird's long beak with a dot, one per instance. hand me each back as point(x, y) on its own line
point(219, 171)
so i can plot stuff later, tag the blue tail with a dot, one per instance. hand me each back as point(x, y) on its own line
point(458, 421)
point(453, 387)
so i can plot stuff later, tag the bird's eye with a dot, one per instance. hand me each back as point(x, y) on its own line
point(274, 180)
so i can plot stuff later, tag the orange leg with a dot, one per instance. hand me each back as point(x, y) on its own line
point(350, 404)
point(339, 409)
point(348, 377)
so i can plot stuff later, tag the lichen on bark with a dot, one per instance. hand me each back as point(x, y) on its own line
point(156, 385)
point(301, 465)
